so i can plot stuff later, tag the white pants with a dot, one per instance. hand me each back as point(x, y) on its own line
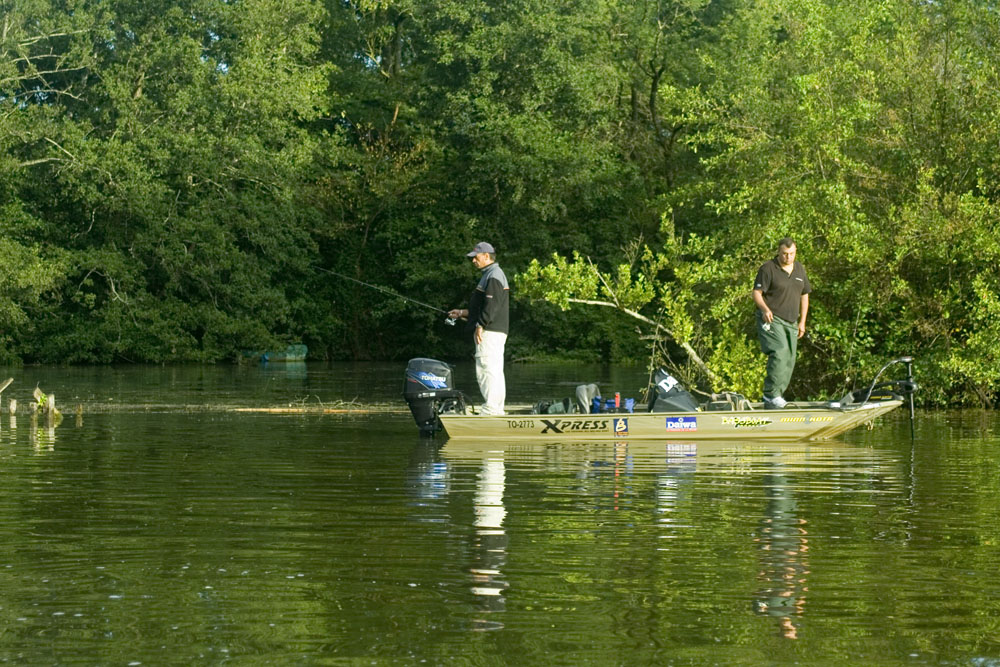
point(489, 372)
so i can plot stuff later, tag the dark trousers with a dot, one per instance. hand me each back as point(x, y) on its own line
point(778, 340)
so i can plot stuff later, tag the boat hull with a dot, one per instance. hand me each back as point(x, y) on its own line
point(819, 421)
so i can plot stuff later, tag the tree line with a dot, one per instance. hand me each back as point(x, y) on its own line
point(185, 180)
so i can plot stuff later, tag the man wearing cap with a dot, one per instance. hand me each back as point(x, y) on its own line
point(781, 293)
point(489, 320)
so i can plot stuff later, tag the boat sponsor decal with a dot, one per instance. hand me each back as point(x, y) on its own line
point(747, 422)
point(682, 424)
point(570, 425)
point(806, 419)
point(620, 425)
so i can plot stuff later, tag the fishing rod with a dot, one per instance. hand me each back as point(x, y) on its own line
point(449, 321)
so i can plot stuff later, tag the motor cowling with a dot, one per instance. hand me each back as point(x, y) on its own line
point(428, 391)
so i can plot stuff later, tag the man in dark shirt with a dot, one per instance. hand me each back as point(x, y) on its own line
point(489, 319)
point(781, 292)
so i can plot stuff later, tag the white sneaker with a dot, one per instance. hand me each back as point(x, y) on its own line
point(777, 402)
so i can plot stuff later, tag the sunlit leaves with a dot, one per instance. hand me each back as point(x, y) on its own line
point(977, 362)
point(559, 281)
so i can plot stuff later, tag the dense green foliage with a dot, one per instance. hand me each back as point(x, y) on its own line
point(185, 180)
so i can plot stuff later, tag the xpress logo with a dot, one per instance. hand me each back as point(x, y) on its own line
point(573, 425)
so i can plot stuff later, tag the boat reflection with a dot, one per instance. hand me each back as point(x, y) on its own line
point(671, 484)
point(618, 476)
point(733, 455)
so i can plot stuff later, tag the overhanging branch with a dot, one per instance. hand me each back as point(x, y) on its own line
point(688, 350)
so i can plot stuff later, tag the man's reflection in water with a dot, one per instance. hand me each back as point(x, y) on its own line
point(784, 549)
point(490, 544)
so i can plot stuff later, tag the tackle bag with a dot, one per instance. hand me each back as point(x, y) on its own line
point(669, 395)
point(554, 407)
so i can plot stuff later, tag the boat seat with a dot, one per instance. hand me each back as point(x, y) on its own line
point(728, 401)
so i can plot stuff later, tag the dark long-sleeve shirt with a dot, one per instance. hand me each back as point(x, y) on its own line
point(489, 306)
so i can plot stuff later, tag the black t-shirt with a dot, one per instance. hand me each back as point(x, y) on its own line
point(782, 291)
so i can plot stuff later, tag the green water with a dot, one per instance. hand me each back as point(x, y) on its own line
point(151, 534)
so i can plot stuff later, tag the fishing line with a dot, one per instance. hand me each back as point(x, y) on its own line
point(449, 321)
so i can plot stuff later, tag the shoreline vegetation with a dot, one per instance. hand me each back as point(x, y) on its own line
point(183, 181)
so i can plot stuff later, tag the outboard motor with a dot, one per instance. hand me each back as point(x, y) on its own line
point(669, 395)
point(428, 392)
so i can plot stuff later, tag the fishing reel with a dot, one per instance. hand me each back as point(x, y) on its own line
point(450, 321)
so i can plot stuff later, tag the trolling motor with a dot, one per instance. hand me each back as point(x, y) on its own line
point(889, 389)
point(428, 391)
point(897, 388)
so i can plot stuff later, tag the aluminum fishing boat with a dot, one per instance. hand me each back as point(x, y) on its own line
point(671, 415)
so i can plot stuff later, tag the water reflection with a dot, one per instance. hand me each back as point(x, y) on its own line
point(783, 545)
point(41, 430)
point(431, 483)
point(490, 542)
point(430, 479)
point(623, 469)
point(285, 370)
point(610, 475)
point(681, 460)
point(161, 536)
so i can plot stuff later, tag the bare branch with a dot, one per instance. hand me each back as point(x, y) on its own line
point(32, 163)
point(692, 355)
point(42, 73)
point(40, 38)
point(604, 282)
point(43, 91)
point(56, 144)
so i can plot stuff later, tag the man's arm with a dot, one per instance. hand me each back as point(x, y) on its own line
point(803, 311)
point(758, 298)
